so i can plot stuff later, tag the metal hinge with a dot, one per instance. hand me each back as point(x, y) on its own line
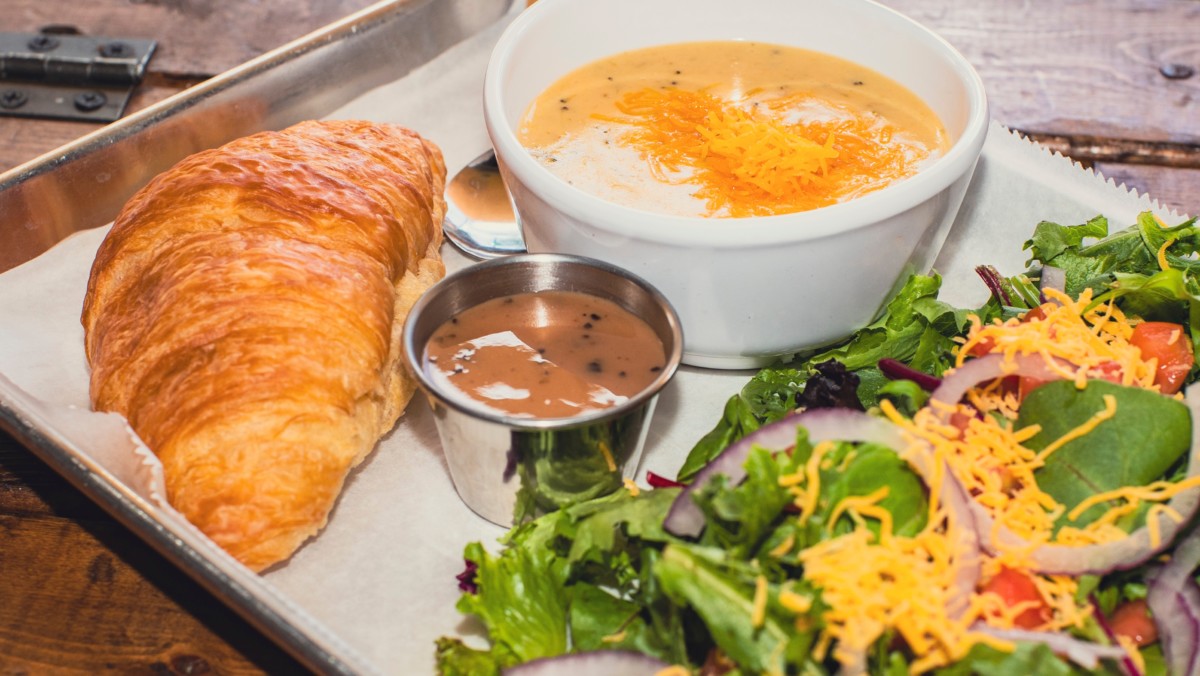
point(69, 77)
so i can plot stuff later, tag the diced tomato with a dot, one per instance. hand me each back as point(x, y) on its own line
point(1014, 587)
point(1132, 620)
point(987, 344)
point(960, 420)
point(982, 348)
point(1035, 314)
point(1027, 384)
point(1109, 370)
point(1170, 345)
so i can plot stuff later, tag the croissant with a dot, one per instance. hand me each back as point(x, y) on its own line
point(244, 314)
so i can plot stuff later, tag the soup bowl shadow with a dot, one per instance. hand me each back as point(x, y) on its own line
point(748, 290)
point(508, 468)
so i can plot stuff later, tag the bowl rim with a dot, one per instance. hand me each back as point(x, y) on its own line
point(743, 232)
point(413, 354)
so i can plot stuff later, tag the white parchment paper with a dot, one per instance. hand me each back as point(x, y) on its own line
point(377, 586)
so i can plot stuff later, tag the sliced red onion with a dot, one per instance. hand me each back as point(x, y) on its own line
point(995, 283)
point(1052, 278)
point(968, 560)
point(1127, 664)
point(685, 518)
point(956, 383)
point(1084, 653)
point(1174, 601)
point(660, 481)
point(897, 370)
point(1177, 614)
point(593, 663)
point(1104, 558)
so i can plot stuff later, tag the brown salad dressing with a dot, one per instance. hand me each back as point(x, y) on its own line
point(550, 354)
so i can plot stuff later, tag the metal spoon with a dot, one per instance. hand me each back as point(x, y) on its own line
point(479, 215)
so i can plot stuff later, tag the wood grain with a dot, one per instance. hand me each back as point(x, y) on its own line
point(197, 39)
point(1077, 67)
point(81, 594)
point(1177, 189)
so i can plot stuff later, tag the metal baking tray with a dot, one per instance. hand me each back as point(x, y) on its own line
point(82, 185)
point(370, 64)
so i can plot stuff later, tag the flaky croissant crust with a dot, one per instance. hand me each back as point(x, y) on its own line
point(244, 314)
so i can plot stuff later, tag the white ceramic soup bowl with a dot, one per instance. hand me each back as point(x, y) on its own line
point(747, 290)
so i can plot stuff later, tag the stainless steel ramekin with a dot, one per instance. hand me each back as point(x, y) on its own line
point(509, 469)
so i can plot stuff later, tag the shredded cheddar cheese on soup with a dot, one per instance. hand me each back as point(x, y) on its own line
point(750, 159)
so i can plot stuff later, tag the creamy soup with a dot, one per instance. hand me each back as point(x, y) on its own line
point(550, 354)
point(730, 129)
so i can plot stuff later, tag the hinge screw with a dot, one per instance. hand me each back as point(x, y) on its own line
point(13, 98)
point(43, 43)
point(1177, 71)
point(116, 50)
point(89, 101)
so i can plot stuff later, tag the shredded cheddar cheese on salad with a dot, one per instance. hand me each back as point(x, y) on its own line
point(897, 583)
point(1076, 340)
point(873, 583)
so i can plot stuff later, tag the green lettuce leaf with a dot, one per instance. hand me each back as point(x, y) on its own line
point(1051, 239)
point(916, 328)
point(454, 658)
point(521, 601)
point(1147, 435)
point(722, 594)
point(1027, 659)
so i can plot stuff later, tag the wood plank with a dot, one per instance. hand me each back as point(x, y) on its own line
point(82, 594)
point(1078, 68)
point(1177, 189)
point(196, 40)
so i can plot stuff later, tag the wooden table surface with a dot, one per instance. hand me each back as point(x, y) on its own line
point(1115, 86)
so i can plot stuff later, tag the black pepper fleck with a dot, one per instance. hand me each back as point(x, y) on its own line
point(621, 374)
point(858, 83)
point(595, 317)
point(655, 369)
point(595, 367)
point(679, 72)
point(566, 107)
point(587, 325)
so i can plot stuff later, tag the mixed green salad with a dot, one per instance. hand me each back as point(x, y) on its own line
point(1002, 490)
